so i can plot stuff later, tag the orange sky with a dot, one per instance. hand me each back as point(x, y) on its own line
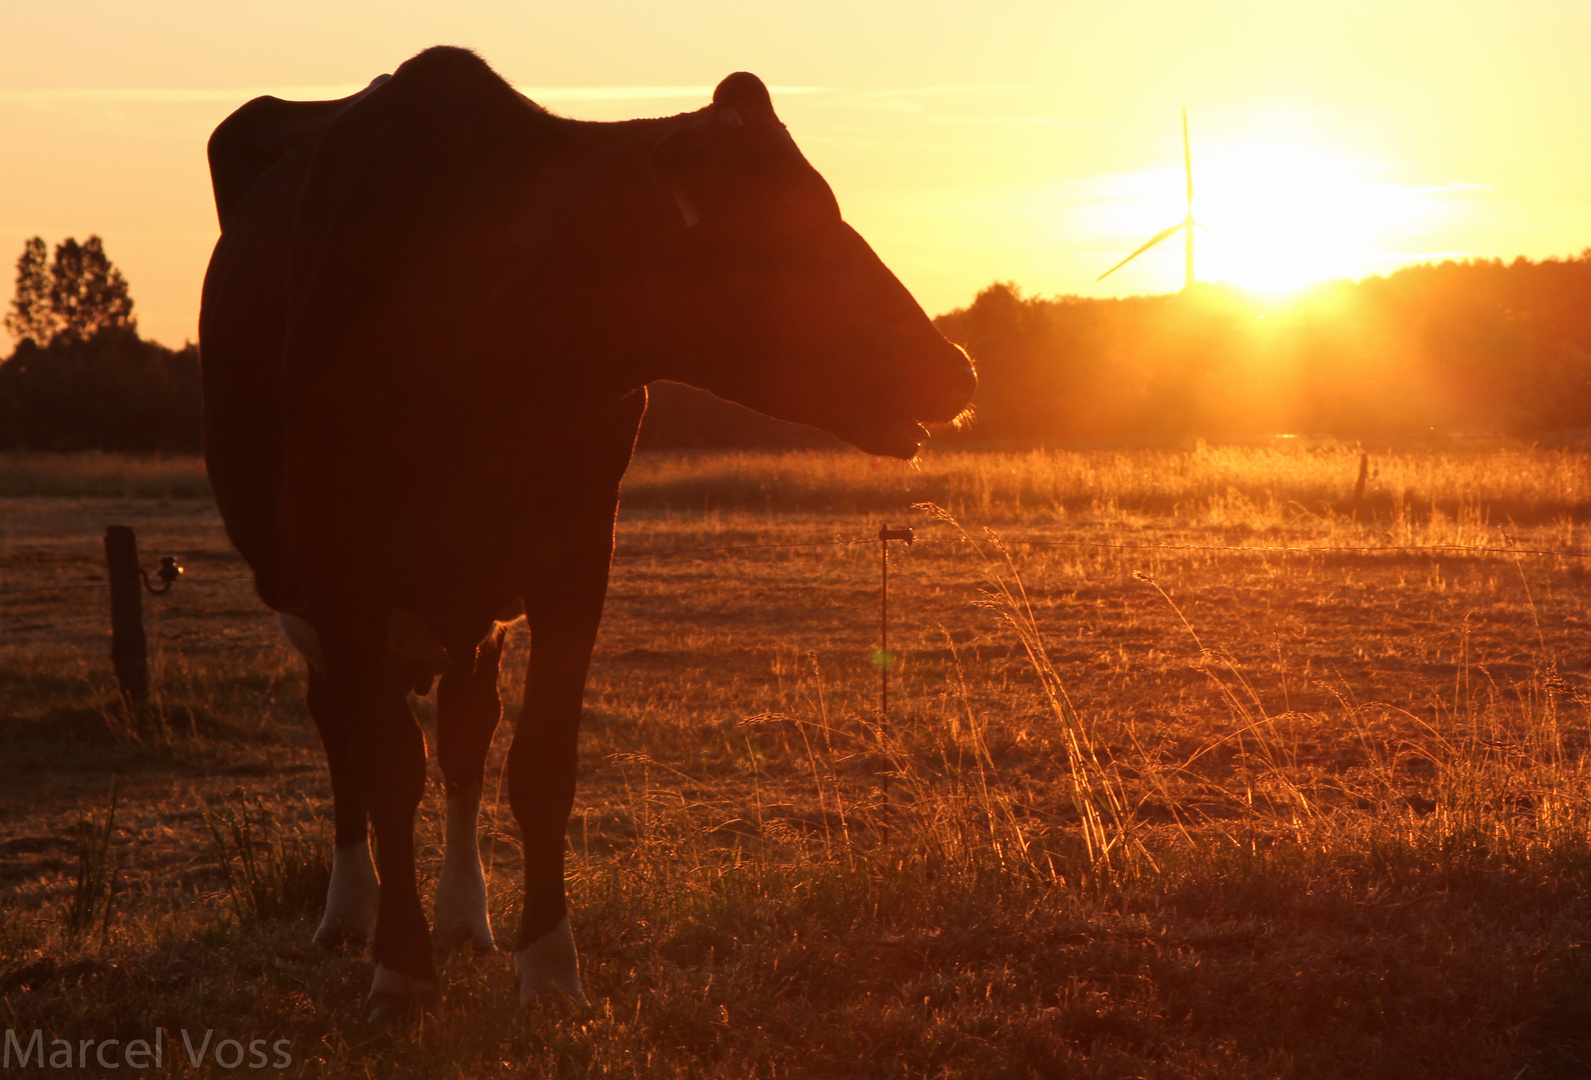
point(1030, 142)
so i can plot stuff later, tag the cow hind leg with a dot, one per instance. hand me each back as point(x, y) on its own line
point(393, 779)
point(468, 710)
point(387, 751)
point(351, 896)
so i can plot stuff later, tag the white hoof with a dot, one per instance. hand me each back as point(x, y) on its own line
point(548, 967)
point(351, 898)
point(396, 998)
point(461, 918)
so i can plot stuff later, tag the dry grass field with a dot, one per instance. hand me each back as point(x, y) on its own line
point(1194, 767)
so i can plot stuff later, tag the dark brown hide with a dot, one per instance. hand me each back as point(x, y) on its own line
point(426, 333)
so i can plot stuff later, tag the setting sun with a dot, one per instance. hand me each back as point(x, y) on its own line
point(1284, 214)
point(1276, 212)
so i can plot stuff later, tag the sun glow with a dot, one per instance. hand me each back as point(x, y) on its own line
point(1275, 213)
point(1282, 215)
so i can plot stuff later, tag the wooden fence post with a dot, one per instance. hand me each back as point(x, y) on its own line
point(129, 650)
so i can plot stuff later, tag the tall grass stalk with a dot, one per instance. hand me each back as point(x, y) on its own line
point(268, 873)
point(1108, 822)
point(1498, 775)
point(94, 891)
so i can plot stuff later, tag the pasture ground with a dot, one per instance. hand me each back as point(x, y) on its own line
point(1155, 807)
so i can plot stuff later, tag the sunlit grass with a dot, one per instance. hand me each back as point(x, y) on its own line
point(1518, 483)
point(1132, 813)
point(1505, 483)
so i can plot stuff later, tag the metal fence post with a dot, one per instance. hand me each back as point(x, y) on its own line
point(885, 659)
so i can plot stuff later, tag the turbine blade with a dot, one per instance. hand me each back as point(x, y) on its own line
point(1187, 158)
point(1151, 242)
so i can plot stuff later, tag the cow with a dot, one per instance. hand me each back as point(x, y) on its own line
point(426, 334)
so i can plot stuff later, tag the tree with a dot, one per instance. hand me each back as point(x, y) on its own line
point(80, 378)
point(77, 297)
point(31, 317)
point(87, 293)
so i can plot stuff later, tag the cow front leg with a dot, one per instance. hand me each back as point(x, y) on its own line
point(541, 788)
point(352, 895)
point(468, 710)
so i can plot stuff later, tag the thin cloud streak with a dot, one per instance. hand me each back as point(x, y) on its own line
point(1019, 121)
point(965, 88)
point(915, 100)
point(210, 95)
point(1151, 184)
point(183, 96)
point(638, 93)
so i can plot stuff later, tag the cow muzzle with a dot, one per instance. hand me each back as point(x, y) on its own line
point(951, 393)
point(937, 393)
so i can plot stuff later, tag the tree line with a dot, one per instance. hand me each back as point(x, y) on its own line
point(1473, 347)
point(80, 377)
point(1481, 346)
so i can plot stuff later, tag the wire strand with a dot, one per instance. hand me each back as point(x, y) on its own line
point(1223, 549)
point(1229, 549)
point(185, 579)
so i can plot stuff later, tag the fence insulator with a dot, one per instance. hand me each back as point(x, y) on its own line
point(168, 573)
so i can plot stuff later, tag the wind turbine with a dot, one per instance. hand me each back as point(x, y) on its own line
point(1186, 224)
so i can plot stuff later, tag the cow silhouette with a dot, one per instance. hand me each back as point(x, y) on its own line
point(426, 333)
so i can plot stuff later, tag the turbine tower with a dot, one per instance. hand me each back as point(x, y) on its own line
point(1186, 224)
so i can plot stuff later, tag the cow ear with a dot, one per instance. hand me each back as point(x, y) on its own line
point(744, 97)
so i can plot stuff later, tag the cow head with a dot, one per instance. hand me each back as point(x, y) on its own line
point(768, 298)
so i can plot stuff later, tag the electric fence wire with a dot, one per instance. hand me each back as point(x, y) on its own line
point(1223, 549)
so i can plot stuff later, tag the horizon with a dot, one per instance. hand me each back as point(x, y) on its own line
point(967, 147)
